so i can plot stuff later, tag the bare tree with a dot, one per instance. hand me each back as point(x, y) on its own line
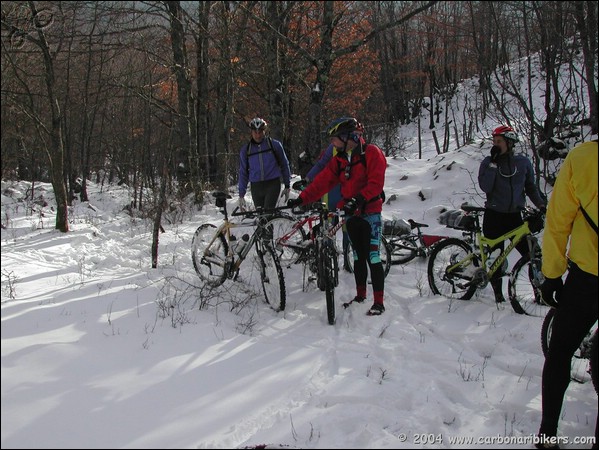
point(33, 30)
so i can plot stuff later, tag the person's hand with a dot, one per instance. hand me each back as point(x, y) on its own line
point(242, 204)
point(495, 152)
point(353, 205)
point(285, 194)
point(293, 202)
point(551, 290)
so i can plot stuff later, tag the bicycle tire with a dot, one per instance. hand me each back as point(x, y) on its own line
point(403, 249)
point(385, 250)
point(546, 331)
point(593, 360)
point(458, 283)
point(330, 271)
point(271, 277)
point(289, 252)
point(524, 287)
point(209, 263)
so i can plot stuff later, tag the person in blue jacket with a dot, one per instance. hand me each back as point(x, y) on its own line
point(333, 197)
point(507, 179)
point(264, 164)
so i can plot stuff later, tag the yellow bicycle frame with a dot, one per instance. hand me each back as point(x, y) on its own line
point(482, 242)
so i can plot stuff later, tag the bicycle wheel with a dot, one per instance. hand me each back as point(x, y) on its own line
point(546, 331)
point(209, 255)
point(329, 274)
point(593, 360)
point(288, 243)
point(403, 249)
point(271, 276)
point(451, 269)
point(524, 287)
point(385, 251)
point(578, 368)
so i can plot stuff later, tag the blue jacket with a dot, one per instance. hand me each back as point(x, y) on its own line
point(508, 182)
point(323, 160)
point(263, 165)
point(334, 195)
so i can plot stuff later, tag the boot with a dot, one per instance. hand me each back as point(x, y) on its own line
point(496, 284)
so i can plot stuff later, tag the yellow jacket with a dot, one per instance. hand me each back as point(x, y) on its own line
point(576, 185)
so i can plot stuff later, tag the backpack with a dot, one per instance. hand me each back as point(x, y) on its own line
point(382, 195)
point(269, 149)
point(454, 218)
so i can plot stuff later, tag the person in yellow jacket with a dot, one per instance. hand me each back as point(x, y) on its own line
point(571, 218)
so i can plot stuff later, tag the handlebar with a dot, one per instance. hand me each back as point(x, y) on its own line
point(259, 211)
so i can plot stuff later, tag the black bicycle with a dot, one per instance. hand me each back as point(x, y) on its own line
point(407, 241)
point(587, 351)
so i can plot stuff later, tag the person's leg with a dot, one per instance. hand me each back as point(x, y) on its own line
point(576, 313)
point(266, 193)
point(258, 194)
point(346, 265)
point(494, 225)
point(272, 190)
point(377, 273)
point(359, 232)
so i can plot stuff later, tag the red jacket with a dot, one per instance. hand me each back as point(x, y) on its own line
point(366, 179)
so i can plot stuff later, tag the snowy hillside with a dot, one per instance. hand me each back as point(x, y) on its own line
point(101, 351)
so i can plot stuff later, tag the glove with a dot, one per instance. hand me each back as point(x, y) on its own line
point(549, 287)
point(495, 152)
point(242, 204)
point(354, 205)
point(285, 194)
point(293, 202)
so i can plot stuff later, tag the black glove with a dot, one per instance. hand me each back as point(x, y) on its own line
point(495, 152)
point(293, 202)
point(549, 287)
point(354, 205)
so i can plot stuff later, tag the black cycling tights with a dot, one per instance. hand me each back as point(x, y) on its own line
point(573, 319)
point(365, 242)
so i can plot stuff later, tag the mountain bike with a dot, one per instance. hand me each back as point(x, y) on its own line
point(290, 251)
point(291, 234)
point(217, 254)
point(587, 352)
point(315, 247)
point(458, 267)
point(405, 246)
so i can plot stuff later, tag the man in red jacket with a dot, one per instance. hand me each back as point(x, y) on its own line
point(360, 169)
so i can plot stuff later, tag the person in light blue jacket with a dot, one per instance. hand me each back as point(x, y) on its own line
point(507, 179)
point(264, 164)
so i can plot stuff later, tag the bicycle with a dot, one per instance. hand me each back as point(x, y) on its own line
point(217, 255)
point(316, 248)
point(586, 351)
point(406, 244)
point(458, 267)
point(291, 236)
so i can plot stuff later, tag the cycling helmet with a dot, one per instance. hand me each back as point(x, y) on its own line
point(344, 126)
point(258, 124)
point(507, 132)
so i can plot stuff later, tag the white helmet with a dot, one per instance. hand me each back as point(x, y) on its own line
point(258, 124)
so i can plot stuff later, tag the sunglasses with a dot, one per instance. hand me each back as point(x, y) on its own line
point(258, 130)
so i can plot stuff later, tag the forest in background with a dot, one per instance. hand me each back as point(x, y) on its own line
point(157, 95)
